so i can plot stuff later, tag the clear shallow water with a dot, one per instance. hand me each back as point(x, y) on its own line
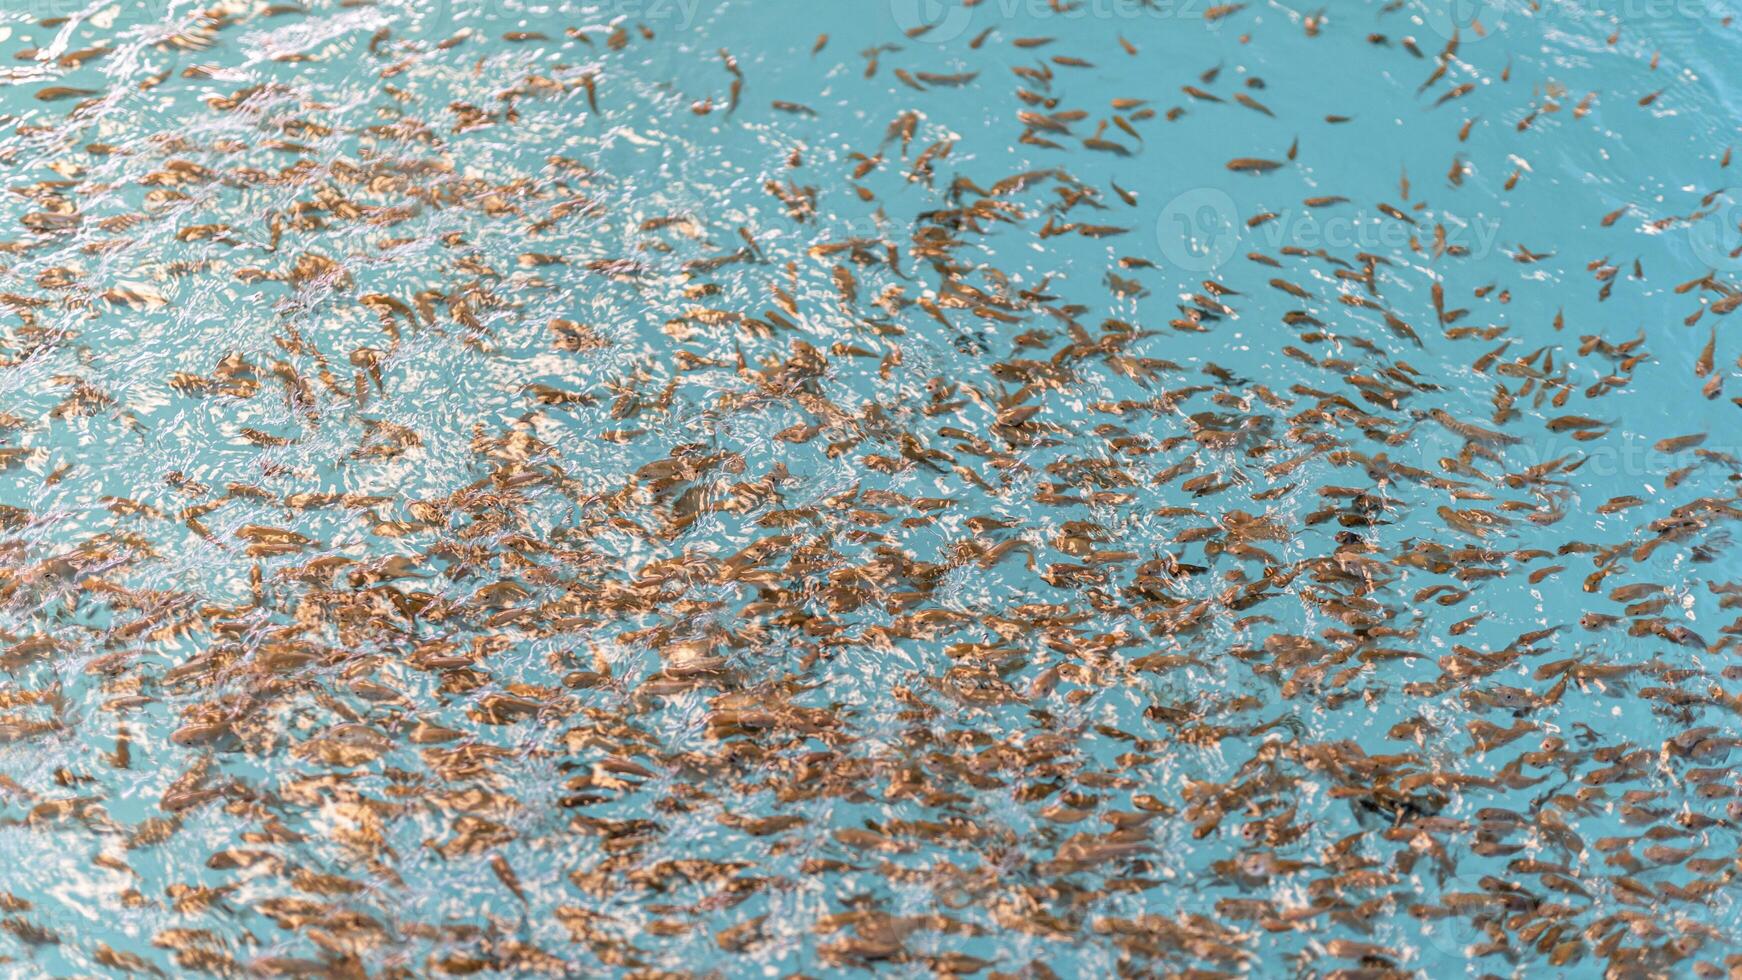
point(458, 521)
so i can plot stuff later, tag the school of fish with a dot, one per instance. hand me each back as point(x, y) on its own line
point(434, 541)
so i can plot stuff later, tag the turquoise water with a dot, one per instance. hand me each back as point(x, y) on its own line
point(768, 488)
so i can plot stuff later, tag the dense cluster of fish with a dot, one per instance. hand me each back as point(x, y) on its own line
point(435, 541)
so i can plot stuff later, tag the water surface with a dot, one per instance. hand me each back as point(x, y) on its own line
point(623, 489)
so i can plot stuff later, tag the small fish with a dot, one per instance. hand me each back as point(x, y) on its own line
point(56, 93)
